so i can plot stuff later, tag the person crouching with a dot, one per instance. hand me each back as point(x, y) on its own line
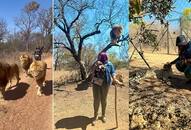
point(183, 62)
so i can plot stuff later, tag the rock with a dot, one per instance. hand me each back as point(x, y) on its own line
point(138, 121)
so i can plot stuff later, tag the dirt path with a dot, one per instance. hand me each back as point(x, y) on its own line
point(74, 109)
point(23, 109)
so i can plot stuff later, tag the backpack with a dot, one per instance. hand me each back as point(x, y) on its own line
point(99, 74)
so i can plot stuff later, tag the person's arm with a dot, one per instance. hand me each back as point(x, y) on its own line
point(174, 61)
point(113, 75)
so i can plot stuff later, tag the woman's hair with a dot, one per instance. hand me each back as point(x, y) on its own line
point(103, 57)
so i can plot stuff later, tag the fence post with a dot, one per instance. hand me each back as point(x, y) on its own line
point(180, 25)
point(168, 44)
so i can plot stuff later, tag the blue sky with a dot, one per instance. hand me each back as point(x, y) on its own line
point(9, 9)
point(102, 38)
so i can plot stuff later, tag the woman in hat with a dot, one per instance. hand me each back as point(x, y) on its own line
point(103, 76)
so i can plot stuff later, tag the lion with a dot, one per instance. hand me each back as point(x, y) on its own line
point(25, 61)
point(38, 71)
point(13, 72)
point(115, 33)
point(35, 69)
point(7, 72)
point(4, 70)
point(166, 72)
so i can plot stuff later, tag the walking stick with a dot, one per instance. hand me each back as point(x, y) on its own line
point(116, 119)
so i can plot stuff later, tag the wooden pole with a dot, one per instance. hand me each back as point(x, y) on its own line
point(140, 54)
point(116, 118)
point(180, 25)
point(168, 43)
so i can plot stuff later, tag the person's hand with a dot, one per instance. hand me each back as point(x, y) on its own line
point(117, 82)
point(167, 66)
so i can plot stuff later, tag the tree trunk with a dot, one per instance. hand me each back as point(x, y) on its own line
point(82, 70)
point(56, 64)
point(56, 61)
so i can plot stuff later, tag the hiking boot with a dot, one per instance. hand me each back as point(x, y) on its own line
point(103, 119)
point(94, 119)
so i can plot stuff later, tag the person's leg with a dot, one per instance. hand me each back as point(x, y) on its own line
point(104, 93)
point(180, 66)
point(187, 72)
point(96, 96)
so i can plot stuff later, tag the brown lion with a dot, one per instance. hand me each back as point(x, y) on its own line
point(25, 61)
point(4, 70)
point(34, 69)
point(7, 72)
point(13, 72)
point(38, 71)
point(115, 33)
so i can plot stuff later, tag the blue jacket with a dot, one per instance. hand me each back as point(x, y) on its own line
point(110, 71)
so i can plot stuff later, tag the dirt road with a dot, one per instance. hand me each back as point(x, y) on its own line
point(23, 109)
point(74, 109)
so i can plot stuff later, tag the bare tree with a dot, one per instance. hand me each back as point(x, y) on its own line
point(45, 25)
point(71, 18)
point(45, 21)
point(27, 22)
point(3, 29)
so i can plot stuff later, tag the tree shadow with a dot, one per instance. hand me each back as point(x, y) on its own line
point(176, 81)
point(83, 85)
point(18, 92)
point(74, 122)
point(47, 90)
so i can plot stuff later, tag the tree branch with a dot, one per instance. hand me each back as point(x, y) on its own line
point(82, 8)
point(91, 34)
point(59, 26)
point(85, 37)
point(64, 46)
point(77, 17)
point(61, 14)
point(72, 48)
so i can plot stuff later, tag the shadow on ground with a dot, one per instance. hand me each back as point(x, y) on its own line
point(83, 85)
point(47, 90)
point(18, 92)
point(177, 81)
point(74, 122)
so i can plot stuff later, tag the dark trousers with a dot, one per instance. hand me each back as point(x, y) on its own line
point(100, 96)
point(184, 68)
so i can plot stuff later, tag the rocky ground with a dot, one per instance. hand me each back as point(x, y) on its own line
point(155, 105)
